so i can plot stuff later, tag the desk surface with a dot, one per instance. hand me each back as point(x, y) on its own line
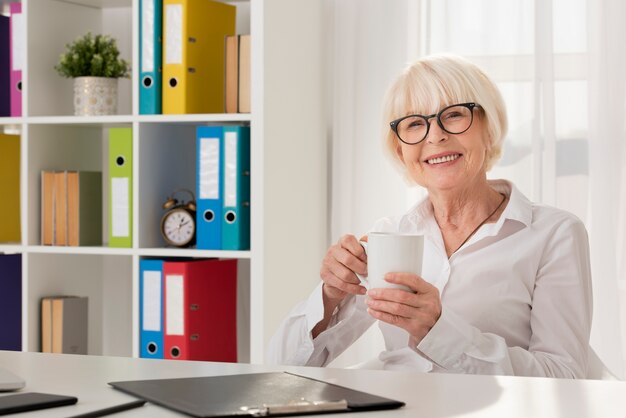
point(426, 395)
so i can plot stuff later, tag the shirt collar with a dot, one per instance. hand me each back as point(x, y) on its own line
point(518, 209)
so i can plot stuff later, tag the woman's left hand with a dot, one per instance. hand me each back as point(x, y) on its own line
point(416, 312)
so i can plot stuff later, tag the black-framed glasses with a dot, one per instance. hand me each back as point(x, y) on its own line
point(454, 119)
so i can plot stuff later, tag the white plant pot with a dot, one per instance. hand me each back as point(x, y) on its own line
point(95, 96)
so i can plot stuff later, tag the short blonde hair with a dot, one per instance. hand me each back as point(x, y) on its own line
point(436, 81)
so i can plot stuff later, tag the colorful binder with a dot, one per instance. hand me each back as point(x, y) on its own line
point(84, 208)
point(18, 53)
point(209, 188)
point(10, 188)
point(151, 308)
point(5, 65)
point(236, 177)
point(193, 55)
point(120, 187)
point(11, 302)
point(150, 51)
point(200, 310)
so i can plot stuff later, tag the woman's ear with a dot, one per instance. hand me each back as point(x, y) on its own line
point(399, 152)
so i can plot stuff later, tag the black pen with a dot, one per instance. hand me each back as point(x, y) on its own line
point(111, 410)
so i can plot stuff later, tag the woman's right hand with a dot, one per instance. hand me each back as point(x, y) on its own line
point(342, 261)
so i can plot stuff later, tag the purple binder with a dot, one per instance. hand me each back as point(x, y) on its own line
point(5, 78)
point(11, 302)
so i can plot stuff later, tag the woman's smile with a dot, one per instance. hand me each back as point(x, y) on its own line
point(443, 159)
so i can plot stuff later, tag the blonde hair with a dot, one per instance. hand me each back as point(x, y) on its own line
point(433, 82)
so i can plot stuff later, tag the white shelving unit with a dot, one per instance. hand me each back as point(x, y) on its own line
point(288, 159)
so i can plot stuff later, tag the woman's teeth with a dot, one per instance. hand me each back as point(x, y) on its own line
point(443, 159)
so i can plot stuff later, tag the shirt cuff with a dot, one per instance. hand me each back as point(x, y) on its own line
point(447, 340)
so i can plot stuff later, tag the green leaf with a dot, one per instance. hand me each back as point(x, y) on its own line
point(95, 56)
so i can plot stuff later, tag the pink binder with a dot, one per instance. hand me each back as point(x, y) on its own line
point(18, 50)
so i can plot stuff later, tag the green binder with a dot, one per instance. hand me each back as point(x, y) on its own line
point(120, 187)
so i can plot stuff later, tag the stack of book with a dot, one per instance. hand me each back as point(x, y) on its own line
point(71, 208)
point(237, 82)
point(64, 324)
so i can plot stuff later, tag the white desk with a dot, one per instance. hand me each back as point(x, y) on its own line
point(426, 395)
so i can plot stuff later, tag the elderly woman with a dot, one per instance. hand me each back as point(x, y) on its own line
point(506, 283)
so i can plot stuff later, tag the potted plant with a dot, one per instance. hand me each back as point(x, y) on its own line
point(94, 64)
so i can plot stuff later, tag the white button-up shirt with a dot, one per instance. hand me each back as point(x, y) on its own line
point(516, 299)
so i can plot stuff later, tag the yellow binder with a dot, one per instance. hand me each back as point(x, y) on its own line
point(10, 188)
point(193, 55)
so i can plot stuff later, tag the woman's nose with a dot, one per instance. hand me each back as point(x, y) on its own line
point(435, 133)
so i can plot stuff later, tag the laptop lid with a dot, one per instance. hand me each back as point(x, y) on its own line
point(9, 381)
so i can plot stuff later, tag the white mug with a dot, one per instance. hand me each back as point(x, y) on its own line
point(389, 252)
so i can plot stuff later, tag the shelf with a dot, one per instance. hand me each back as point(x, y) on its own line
point(126, 119)
point(192, 252)
point(11, 121)
point(11, 249)
point(200, 118)
point(143, 252)
point(79, 120)
point(54, 249)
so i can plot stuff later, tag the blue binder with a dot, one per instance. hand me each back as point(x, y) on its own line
point(151, 308)
point(150, 53)
point(11, 302)
point(209, 187)
point(236, 177)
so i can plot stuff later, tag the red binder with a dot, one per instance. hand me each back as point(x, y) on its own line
point(200, 310)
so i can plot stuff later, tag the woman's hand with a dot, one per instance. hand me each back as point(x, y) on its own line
point(416, 312)
point(339, 266)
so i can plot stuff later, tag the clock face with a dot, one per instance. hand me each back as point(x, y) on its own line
point(178, 227)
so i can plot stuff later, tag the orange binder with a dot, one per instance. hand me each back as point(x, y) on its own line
point(193, 55)
point(200, 310)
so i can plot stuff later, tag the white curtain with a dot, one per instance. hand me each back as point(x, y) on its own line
point(561, 66)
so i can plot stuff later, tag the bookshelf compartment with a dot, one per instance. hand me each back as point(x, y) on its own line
point(105, 280)
point(50, 29)
point(65, 147)
point(167, 162)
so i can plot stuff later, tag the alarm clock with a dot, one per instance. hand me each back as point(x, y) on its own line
point(178, 224)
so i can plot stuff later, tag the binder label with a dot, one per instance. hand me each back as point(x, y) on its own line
point(230, 168)
point(151, 300)
point(147, 35)
point(175, 313)
point(17, 37)
point(173, 34)
point(209, 178)
point(120, 206)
